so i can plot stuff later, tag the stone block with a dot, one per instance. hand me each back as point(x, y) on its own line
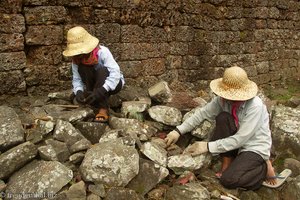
point(109, 15)
point(141, 51)
point(160, 92)
point(173, 62)
point(10, 6)
point(44, 55)
point(13, 60)
point(11, 132)
point(132, 34)
point(41, 15)
point(184, 33)
point(41, 74)
point(155, 34)
point(12, 23)
point(262, 67)
point(12, 82)
point(154, 66)
point(11, 42)
point(39, 2)
point(40, 35)
point(131, 69)
point(108, 33)
point(179, 48)
point(191, 62)
point(15, 158)
point(81, 15)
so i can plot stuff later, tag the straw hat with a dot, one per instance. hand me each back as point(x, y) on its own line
point(234, 85)
point(79, 42)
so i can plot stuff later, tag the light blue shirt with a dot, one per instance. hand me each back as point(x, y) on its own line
point(253, 133)
point(107, 60)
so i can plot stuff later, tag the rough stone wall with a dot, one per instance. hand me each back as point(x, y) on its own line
point(189, 41)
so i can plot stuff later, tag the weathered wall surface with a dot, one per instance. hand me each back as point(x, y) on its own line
point(189, 41)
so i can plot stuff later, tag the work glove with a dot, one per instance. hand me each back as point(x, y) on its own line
point(80, 96)
point(95, 95)
point(172, 137)
point(196, 149)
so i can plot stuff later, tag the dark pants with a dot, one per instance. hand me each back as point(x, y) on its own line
point(94, 79)
point(248, 170)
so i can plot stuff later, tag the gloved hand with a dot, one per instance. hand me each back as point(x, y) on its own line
point(95, 95)
point(172, 137)
point(80, 96)
point(196, 149)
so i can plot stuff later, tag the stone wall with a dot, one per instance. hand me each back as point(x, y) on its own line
point(188, 41)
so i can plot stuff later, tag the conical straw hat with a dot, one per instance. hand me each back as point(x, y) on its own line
point(79, 42)
point(234, 85)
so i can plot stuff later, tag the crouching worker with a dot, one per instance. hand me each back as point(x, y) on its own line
point(96, 74)
point(242, 136)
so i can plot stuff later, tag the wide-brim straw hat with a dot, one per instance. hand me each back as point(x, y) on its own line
point(79, 42)
point(234, 85)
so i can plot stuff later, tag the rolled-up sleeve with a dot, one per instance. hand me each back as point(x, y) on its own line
point(248, 127)
point(76, 81)
point(209, 112)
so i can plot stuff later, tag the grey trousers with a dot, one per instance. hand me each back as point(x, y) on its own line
point(248, 169)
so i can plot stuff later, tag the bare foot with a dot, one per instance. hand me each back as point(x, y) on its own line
point(226, 161)
point(271, 176)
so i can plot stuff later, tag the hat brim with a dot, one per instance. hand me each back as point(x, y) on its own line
point(81, 48)
point(241, 94)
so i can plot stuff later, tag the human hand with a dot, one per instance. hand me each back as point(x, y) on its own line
point(196, 149)
point(97, 94)
point(80, 96)
point(172, 137)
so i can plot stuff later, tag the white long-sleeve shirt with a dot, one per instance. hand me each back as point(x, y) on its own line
point(107, 60)
point(253, 133)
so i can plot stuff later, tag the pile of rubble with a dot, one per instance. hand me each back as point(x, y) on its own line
point(52, 149)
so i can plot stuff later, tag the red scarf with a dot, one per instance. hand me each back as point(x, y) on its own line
point(234, 107)
point(87, 59)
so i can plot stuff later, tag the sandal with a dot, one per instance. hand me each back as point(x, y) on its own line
point(280, 179)
point(102, 115)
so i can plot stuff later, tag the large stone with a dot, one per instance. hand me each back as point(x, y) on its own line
point(183, 162)
point(12, 82)
point(15, 158)
point(39, 35)
point(13, 60)
point(155, 153)
point(91, 130)
point(150, 174)
point(66, 132)
point(77, 191)
point(132, 125)
point(292, 189)
point(11, 6)
point(166, 115)
point(286, 130)
point(42, 178)
point(41, 75)
point(44, 55)
point(11, 130)
point(45, 15)
point(189, 191)
point(110, 163)
point(11, 42)
point(122, 194)
point(134, 109)
point(160, 92)
point(59, 112)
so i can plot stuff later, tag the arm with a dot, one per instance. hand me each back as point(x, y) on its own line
point(248, 127)
point(76, 81)
point(209, 111)
point(114, 70)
